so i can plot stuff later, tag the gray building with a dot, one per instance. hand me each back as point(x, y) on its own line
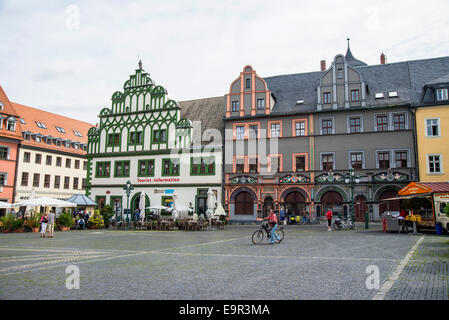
point(292, 140)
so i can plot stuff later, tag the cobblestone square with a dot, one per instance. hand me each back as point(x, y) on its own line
point(310, 263)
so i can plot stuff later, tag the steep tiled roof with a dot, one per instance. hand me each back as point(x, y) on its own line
point(210, 111)
point(436, 186)
point(406, 78)
point(32, 115)
point(353, 62)
point(8, 110)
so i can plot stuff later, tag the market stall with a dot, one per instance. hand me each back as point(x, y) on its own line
point(422, 206)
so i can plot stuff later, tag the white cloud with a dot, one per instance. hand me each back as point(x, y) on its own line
point(195, 48)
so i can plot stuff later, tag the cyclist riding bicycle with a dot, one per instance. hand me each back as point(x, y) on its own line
point(273, 222)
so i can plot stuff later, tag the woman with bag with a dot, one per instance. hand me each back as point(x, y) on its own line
point(44, 221)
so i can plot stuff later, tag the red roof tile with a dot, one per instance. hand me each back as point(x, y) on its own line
point(436, 186)
point(8, 110)
point(51, 120)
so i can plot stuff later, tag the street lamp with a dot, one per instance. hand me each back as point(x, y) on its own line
point(351, 179)
point(128, 188)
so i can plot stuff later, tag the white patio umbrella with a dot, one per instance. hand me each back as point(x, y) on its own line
point(32, 196)
point(5, 205)
point(45, 202)
point(220, 211)
point(175, 213)
point(158, 207)
point(210, 203)
point(142, 205)
point(182, 210)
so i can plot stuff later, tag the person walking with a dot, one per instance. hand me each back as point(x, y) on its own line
point(51, 224)
point(273, 222)
point(44, 221)
point(282, 217)
point(329, 219)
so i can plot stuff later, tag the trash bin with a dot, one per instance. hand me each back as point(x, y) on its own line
point(439, 229)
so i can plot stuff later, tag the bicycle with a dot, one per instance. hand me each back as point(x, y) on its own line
point(258, 235)
point(338, 224)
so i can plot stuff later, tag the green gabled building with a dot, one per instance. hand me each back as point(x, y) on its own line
point(164, 148)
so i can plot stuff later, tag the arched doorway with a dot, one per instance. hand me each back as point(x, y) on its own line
point(334, 201)
point(389, 205)
point(295, 203)
point(244, 203)
point(268, 204)
point(134, 202)
point(360, 208)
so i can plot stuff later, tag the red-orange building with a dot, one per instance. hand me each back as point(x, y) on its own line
point(10, 138)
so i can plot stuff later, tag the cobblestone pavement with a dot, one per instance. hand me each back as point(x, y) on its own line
point(310, 263)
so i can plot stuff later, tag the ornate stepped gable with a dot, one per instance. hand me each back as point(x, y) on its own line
point(142, 108)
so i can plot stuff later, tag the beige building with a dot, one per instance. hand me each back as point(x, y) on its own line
point(52, 156)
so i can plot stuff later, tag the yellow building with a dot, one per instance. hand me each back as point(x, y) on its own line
point(432, 132)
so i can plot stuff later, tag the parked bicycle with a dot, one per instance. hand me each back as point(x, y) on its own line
point(258, 235)
point(339, 224)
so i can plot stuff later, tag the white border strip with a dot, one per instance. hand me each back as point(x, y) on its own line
point(380, 295)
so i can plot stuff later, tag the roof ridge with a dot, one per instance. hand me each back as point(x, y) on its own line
point(52, 113)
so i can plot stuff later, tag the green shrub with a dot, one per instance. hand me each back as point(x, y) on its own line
point(65, 219)
point(446, 209)
point(107, 214)
point(17, 224)
point(7, 221)
point(96, 220)
point(35, 220)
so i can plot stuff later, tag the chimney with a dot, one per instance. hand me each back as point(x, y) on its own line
point(323, 65)
point(383, 58)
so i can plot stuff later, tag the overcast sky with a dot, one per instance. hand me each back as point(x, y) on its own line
point(69, 57)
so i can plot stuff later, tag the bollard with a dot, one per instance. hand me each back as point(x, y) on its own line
point(366, 221)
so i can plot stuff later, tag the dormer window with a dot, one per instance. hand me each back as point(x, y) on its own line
point(60, 129)
point(1, 105)
point(11, 124)
point(235, 106)
point(340, 73)
point(355, 95)
point(326, 97)
point(22, 121)
point(41, 125)
point(77, 133)
point(442, 94)
point(37, 138)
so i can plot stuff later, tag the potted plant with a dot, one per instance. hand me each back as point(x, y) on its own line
point(65, 221)
point(7, 223)
point(107, 214)
point(34, 222)
point(96, 221)
point(17, 225)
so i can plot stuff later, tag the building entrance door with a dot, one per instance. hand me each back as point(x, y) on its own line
point(295, 203)
point(360, 208)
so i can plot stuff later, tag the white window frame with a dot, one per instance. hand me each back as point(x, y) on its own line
point(6, 178)
point(440, 161)
point(444, 94)
point(405, 118)
point(327, 118)
point(409, 160)
point(7, 153)
point(388, 121)
point(426, 127)
point(348, 123)
point(333, 159)
point(349, 158)
point(11, 121)
point(390, 155)
point(237, 136)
